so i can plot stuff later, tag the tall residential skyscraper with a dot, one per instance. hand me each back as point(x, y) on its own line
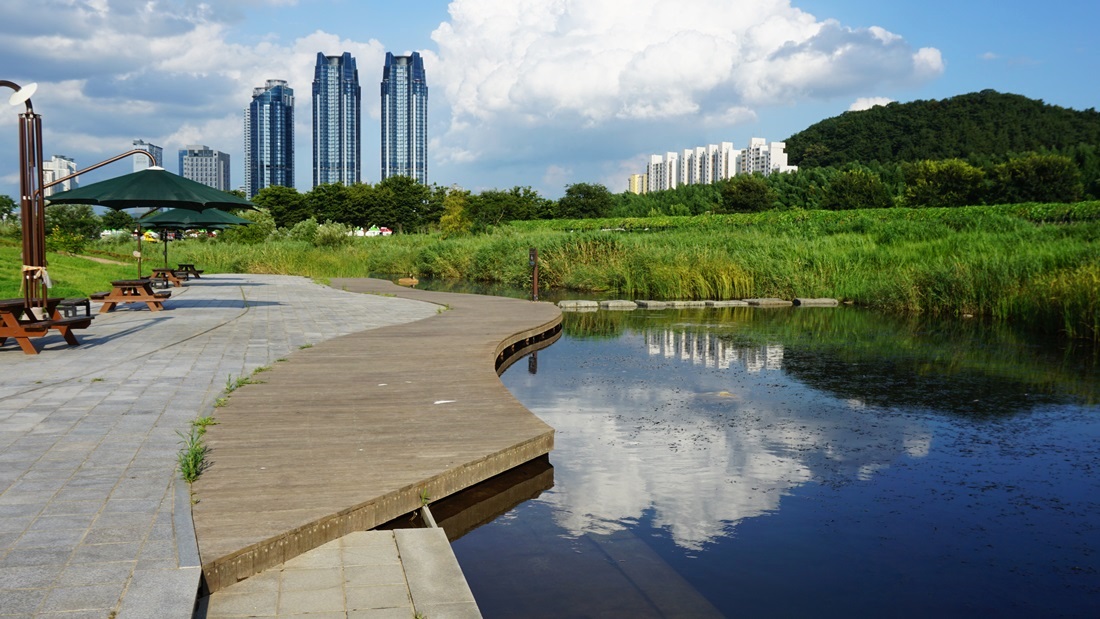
point(404, 118)
point(269, 138)
point(205, 165)
point(336, 101)
point(140, 162)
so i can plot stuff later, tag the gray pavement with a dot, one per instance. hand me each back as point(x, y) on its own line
point(93, 519)
point(403, 574)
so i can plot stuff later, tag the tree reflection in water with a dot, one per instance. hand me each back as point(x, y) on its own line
point(902, 466)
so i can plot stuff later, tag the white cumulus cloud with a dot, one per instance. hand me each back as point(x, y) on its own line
point(866, 103)
point(592, 69)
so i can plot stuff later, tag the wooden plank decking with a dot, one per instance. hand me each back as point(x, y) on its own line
point(351, 433)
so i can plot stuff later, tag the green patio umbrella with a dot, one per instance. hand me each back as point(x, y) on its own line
point(150, 188)
point(153, 187)
point(180, 219)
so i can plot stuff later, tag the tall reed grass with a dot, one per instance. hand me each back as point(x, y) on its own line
point(1030, 264)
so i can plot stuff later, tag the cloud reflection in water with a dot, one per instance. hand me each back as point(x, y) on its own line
point(697, 433)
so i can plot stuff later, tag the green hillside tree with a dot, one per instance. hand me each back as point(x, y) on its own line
point(1037, 178)
point(585, 200)
point(856, 188)
point(746, 193)
point(952, 182)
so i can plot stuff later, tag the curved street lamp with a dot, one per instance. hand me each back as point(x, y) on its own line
point(32, 210)
point(32, 205)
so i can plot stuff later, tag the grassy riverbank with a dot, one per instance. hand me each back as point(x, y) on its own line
point(1036, 265)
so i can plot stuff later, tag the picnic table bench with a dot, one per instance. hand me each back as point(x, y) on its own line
point(21, 323)
point(131, 291)
point(188, 269)
point(167, 276)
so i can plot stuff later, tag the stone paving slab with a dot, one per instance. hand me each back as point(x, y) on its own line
point(369, 574)
point(92, 517)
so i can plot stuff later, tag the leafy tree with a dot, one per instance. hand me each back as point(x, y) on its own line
point(258, 232)
point(803, 188)
point(285, 204)
point(456, 219)
point(329, 201)
point(118, 220)
point(495, 206)
point(406, 201)
point(585, 200)
point(856, 188)
point(1037, 178)
point(78, 219)
point(952, 182)
point(7, 207)
point(746, 193)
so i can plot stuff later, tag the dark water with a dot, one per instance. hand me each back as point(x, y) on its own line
point(806, 462)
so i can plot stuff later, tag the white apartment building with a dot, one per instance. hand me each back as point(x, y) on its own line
point(663, 172)
point(704, 165)
point(142, 162)
point(763, 157)
point(59, 166)
point(201, 163)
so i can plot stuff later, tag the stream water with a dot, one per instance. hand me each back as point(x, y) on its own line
point(801, 462)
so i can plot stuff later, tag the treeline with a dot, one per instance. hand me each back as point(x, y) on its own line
point(1034, 177)
point(986, 123)
point(403, 205)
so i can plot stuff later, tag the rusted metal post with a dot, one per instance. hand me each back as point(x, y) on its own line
point(534, 262)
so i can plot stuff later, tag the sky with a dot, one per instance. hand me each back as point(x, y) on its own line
point(539, 93)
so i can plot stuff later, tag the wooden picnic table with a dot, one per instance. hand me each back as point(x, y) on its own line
point(167, 276)
point(189, 270)
point(132, 291)
point(19, 322)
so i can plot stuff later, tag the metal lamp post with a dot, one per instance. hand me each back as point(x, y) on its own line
point(32, 210)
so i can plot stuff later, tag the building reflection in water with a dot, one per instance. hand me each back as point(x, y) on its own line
point(707, 350)
point(699, 435)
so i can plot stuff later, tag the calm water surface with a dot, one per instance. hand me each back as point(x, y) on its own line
point(805, 462)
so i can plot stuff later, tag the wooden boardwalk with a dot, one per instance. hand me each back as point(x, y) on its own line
point(353, 432)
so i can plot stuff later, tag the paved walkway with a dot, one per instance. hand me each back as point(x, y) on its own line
point(397, 574)
point(93, 522)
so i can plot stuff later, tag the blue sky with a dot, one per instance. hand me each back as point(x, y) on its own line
point(542, 93)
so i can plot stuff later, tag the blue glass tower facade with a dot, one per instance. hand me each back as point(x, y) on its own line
point(336, 102)
point(405, 118)
point(269, 138)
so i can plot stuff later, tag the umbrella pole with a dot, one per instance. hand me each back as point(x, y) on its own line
point(165, 239)
point(139, 251)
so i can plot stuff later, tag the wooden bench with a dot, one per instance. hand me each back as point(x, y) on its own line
point(167, 276)
point(21, 323)
point(188, 270)
point(70, 307)
point(132, 291)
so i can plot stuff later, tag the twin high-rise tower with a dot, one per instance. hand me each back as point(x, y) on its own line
point(269, 125)
point(404, 118)
point(269, 138)
point(336, 103)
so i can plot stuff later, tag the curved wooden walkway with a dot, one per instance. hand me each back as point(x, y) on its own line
point(351, 433)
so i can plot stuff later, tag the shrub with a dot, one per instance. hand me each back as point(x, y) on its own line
point(330, 234)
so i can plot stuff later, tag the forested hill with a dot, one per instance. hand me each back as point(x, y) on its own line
point(986, 123)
